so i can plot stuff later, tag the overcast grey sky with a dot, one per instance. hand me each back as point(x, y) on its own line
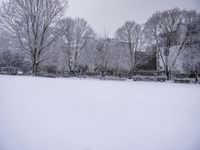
point(108, 15)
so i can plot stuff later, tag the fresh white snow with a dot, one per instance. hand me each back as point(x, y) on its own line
point(85, 114)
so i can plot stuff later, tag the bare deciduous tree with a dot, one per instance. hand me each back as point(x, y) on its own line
point(33, 23)
point(76, 35)
point(102, 54)
point(170, 32)
point(192, 62)
point(130, 35)
point(191, 58)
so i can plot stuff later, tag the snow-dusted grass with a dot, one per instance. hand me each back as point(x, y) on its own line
point(82, 114)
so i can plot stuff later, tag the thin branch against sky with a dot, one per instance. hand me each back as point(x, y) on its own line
point(108, 15)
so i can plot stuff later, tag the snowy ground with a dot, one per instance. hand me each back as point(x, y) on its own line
point(74, 114)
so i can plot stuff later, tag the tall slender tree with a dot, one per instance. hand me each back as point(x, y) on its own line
point(76, 35)
point(130, 36)
point(102, 55)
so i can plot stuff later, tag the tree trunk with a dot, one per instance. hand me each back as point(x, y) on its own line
point(71, 73)
point(167, 72)
point(103, 75)
point(34, 68)
point(34, 63)
point(132, 72)
point(196, 78)
point(168, 75)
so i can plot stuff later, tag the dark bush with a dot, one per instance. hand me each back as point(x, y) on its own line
point(149, 78)
point(182, 80)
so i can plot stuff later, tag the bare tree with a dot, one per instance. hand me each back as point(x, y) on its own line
point(33, 23)
point(76, 35)
point(170, 31)
point(192, 62)
point(102, 54)
point(191, 57)
point(130, 35)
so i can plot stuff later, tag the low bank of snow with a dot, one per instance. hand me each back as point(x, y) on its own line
point(82, 114)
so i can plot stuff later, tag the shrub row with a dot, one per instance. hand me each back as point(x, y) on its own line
point(150, 78)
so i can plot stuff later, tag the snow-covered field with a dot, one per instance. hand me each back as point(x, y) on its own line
point(82, 114)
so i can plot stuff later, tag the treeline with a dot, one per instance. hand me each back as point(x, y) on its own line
point(37, 39)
